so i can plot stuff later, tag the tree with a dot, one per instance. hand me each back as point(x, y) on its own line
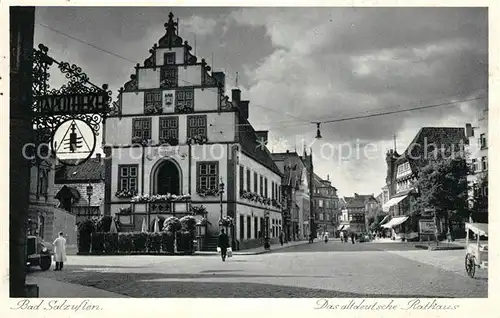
point(442, 184)
point(480, 194)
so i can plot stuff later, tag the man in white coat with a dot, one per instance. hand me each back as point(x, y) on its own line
point(59, 251)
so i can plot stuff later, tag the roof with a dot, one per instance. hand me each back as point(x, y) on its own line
point(72, 191)
point(92, 169)
point(252, 148)
point(440, 136)
point(359, 200)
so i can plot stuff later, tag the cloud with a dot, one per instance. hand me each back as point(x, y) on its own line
point(337, 63)
point(302, 65)
point(199, 25)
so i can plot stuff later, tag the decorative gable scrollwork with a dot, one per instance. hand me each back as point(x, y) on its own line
point(225, 104)
point(131, 85)
point(170, 39)
point(151, 61)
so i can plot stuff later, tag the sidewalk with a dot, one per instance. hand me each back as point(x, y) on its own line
point(256, 251)
point(50, 288)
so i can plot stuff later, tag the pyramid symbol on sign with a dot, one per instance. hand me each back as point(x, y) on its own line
point(73, 141)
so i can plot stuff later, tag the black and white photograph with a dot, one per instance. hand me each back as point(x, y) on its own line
point(331, 153)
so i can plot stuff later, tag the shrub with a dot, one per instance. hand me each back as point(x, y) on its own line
point(85, 230)
point(185, 242)
point(188, 223)
point(139, 239)
point(153, 242)
point(172, 224)
point(110, 243)
point(104, 223)
point(167, 242)
point(97, 243)
point(125, 242)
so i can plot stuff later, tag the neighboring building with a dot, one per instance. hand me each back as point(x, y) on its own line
point(477, 150)
point(173, 99)
point(402, 174)
point(72, 186)
point(355, 211)
point(326, 205)
point(309, 214)
point(295, 192)
point(44, 217)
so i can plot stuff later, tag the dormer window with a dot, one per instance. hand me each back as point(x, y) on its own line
point(168, 58)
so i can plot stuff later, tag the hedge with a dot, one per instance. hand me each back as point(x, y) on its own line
point(153, 243)
point(185, 242)
point(167, 242)
point(103, 243)
point(85, 230)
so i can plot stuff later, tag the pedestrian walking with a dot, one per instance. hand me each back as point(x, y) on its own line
point(59, 251)
point(223, 243)
point(281, 238)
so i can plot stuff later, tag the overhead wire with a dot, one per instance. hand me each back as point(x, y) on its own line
point(135, 62)
point(287, 124)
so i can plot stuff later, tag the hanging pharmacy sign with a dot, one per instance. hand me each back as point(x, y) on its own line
point(68, 118)
point(73, 142)
point(86, 103)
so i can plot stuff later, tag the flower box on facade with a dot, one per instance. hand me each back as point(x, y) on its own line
point(197, 139)
point(125, 194)
point(142, 141)
point(169, 141)
point(207, 192)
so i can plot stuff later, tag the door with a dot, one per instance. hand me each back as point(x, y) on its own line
point(168, 179)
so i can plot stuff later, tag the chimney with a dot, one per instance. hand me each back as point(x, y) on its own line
point(243, 106)
point(262, 134)
point(236, 97)
point(469, 132)
point(220, 77)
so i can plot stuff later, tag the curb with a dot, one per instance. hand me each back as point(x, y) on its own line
point(439, 248)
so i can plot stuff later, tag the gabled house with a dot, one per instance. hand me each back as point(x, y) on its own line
point(354, 212)
point(402, 172)
point(80, 189)
point(295, 193)
point(176, 146)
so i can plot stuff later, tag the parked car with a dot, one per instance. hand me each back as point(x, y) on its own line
point(38, 252)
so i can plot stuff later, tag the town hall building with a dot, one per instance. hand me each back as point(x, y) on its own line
point(176, 145)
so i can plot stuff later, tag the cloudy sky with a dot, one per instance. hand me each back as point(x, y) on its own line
point(303, 65)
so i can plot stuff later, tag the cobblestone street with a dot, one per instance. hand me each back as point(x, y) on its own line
point(312, 270)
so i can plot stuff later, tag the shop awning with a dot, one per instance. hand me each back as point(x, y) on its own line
point(392, 202)
point(395, 222)
point(384, 219)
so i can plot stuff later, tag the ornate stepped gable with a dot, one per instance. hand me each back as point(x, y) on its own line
point(171, 40)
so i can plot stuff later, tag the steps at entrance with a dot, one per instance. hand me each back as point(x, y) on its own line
point(210, 244)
